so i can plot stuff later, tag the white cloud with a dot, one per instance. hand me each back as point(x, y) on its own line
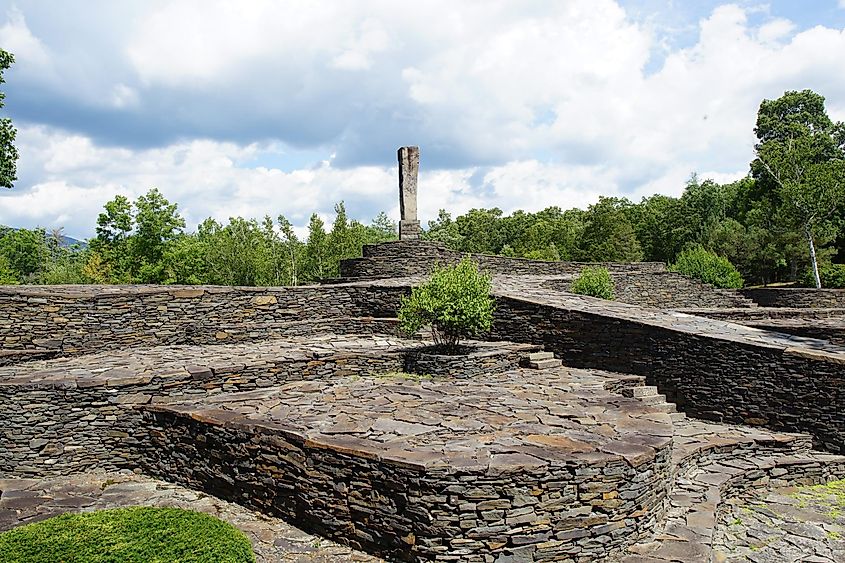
point(523, 105)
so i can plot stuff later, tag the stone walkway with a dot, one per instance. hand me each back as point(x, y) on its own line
point(530, 288)
point(186, 362)
point(24, 501)
point(785, 526)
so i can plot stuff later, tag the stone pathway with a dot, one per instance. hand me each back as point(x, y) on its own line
point(786, 525)
point(530, 288)
point(24, 501)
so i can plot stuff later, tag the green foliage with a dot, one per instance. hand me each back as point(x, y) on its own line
point(8, 276)
point(801, 159)
point(832, 276)
point(127, 535)
point(8, 152)
point(699, 263)
point(455, 302)
point(608, 233)
point(595, 282)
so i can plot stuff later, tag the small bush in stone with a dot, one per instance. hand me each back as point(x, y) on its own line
point(455, 302)
point(595, 282)
point(699, 263)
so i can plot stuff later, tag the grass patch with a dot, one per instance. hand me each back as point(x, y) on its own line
point(830, 496)
point(127, 535)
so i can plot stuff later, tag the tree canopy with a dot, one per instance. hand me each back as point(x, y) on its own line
point(8, 152)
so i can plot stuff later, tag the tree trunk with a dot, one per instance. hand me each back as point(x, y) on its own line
point(813, 259)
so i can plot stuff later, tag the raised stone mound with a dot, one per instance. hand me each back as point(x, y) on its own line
point(542, 465)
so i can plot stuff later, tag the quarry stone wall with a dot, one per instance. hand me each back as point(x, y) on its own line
point(80, 319)
point(795, 390)
point(797, 297)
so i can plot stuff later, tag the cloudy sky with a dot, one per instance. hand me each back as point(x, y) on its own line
point(266, 107)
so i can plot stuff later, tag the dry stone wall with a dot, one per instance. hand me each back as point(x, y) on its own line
point(712, 378)
point(79, 319)
point(417, 258)
point(796, 298)
point(406, 511)
point(663, 290)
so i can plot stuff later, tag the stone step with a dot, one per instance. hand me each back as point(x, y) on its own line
point(677, 416)
point(546, 364)
point(665, 407)
point(653, 399)
point(640, 391)
point(537, 356)
point(695, 501)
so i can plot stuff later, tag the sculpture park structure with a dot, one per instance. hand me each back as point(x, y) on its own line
point(576, 430)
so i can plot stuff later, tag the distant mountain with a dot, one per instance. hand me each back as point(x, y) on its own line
point(64, 241)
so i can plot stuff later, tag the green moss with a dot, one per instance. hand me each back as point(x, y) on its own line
point(404, 375)
point(834, 535)
point(127, 535)
point(830, 496)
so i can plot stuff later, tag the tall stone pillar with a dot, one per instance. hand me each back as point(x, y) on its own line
point(409, 167)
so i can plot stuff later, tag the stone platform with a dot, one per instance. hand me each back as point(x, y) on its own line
point(534, 464)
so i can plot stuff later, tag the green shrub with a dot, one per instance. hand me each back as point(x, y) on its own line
point(127, 535)
point(8, 276)
point(595, 282)
point(699, 263)
point(831, 275)
point(455, 302)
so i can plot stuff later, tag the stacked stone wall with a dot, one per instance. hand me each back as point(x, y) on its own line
point(663, 290)
point(79, 319)
point(418, 258)
point(796, 298)
point(720, 379)
point(405, 511)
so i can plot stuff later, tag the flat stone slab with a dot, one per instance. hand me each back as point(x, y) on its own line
point(522, 418)
point(23, 501)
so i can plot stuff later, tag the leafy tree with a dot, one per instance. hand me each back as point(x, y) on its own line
point(445, 230)
point(802, 152)
point(186, 261)
point(316, 250)
point(479, 230)
point(595, 282)
point(157, 223)
point(455, 302)
point(25, 250)
point(608, 233)
point(699, 263)
point(293, 249)
point(8, 276)
point(8, 152)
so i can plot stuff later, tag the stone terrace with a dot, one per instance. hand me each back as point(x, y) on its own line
point(537, 464)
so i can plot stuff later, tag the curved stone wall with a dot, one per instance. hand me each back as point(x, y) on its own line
point(416, 258)
point(471, 479)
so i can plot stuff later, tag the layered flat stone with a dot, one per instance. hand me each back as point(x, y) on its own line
point(516, 464)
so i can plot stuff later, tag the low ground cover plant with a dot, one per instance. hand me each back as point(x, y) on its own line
point(127, 535)
point(699, 263)
point(455, 302)
point(595, 282)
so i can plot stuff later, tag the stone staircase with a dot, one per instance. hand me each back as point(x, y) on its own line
point(713, 463)
point(541, 360)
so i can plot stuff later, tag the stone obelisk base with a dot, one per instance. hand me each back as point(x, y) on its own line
point(409, 230)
